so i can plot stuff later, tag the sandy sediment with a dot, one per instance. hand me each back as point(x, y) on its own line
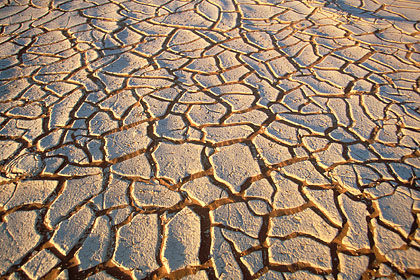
point(209, 139)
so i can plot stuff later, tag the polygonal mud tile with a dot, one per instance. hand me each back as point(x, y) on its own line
point(182, 241)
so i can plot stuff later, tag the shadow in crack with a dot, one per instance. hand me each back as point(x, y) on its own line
point(376, 11)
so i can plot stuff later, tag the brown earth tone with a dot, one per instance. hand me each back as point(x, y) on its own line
point(209, 139)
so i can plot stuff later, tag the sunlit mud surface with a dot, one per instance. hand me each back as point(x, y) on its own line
point(209, 139)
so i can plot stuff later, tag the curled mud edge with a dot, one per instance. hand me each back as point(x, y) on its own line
point(209, 139)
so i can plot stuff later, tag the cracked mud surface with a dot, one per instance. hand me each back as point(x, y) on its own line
point(209, 139)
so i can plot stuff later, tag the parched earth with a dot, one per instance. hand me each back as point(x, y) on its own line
point(210, 139)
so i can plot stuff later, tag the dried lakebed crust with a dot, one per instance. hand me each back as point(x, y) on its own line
point(217, 139)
